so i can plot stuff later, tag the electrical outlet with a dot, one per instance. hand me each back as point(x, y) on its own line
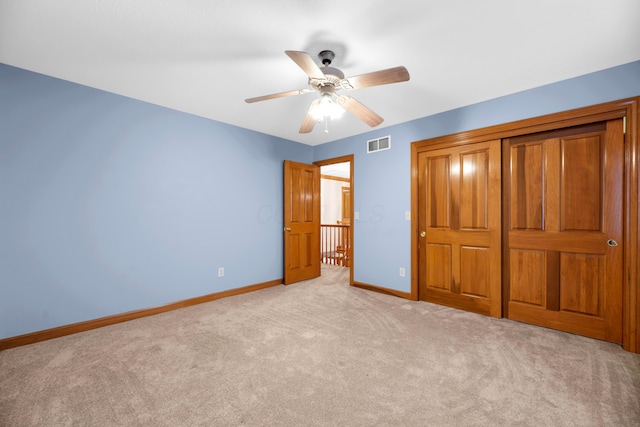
point(220, 271)
point(401, 272)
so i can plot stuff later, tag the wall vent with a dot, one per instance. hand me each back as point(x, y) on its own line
point(379, 144)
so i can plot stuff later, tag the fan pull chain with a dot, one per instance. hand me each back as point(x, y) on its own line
point(326, 124)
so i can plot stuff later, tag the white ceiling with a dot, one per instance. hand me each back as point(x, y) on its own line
point(340, 170)
point(205, 57)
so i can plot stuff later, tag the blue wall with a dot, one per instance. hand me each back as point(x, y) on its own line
point(109, 205)
point(382, 180)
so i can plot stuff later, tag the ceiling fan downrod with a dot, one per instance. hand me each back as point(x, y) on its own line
point(326, 57)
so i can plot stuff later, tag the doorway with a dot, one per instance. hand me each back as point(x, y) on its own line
point(336, 206)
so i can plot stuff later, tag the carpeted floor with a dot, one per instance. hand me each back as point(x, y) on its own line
point(320, 353)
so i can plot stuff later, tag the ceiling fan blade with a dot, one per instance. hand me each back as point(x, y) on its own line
point(359, 110)
point(305, 62)
point(277, 95)
point(308, 123)
point(377, 78)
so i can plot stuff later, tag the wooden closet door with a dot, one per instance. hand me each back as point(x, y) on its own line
point(459, 224)
point(563, 209)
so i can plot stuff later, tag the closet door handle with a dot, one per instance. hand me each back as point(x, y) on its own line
point(287, 229)
point(612, 243)
point(423, 234)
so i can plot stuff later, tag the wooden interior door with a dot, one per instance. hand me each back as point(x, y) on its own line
point(346, 205)
point(563, 209)
point(301, 221)
point(459, 247)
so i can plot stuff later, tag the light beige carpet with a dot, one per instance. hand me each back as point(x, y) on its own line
point(320, 353)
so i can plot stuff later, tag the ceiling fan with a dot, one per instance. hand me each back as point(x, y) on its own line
point(327, 80)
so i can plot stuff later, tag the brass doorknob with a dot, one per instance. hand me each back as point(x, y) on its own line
point(423, 233)
point(612, 243)
point(287, 229)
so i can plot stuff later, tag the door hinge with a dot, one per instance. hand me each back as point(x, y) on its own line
point(624, 125)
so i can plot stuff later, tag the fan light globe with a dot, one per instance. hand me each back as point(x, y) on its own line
point(326, 107)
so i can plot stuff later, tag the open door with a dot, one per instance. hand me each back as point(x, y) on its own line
point(301, 222)
point(346, 205)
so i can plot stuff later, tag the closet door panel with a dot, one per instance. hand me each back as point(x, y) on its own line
point(566, 274)
point(459, 222)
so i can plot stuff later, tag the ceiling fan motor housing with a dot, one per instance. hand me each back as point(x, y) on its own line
point(332, 78)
